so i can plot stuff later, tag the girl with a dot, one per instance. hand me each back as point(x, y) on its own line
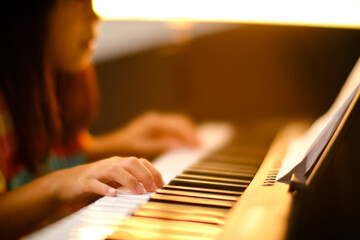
point(47, 101)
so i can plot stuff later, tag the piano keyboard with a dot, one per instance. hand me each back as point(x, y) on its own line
point(202, 186)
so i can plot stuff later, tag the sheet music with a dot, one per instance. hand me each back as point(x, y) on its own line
point(303, 151)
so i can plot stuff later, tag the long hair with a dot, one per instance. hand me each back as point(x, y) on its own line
point(42, 105)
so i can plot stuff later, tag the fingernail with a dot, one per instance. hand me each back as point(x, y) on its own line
point(111, 192)
point(140, 189)
point(153, 187)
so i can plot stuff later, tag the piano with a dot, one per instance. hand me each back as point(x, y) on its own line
point(206, 189)
point(227, 190)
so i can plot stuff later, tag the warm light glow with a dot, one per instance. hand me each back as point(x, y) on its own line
point(327, 13)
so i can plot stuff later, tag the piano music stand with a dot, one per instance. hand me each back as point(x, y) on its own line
point(326, 206)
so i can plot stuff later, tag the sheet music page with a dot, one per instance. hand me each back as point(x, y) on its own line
point(303, 151)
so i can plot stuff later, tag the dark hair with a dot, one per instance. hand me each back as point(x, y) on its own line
point(43, 107)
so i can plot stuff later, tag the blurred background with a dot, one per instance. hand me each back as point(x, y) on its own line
point(220, 71)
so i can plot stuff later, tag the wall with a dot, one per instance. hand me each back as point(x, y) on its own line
point(249, 72)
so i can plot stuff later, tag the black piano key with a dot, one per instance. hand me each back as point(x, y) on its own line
point(208, 184)
point(224, 169)
point(230, 166)
point(192, 201)
point(254, 162)
point(235, 166)
point(216, 173)
point(203, 190)
point(243, 151)
point(254, 153)
point(196, 194)
point(213, 179)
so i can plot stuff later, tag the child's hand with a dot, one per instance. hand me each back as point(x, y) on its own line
point(74, 184)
